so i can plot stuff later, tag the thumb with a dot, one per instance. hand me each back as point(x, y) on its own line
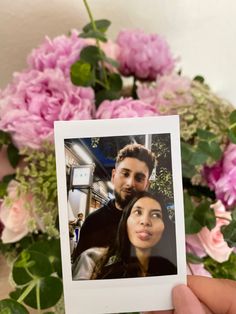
point(185, 302)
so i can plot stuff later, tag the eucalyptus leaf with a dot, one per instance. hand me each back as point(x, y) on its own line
point(101, 25)
point(9, 306)
point(199, 78)
point(81, 73)
point(94, 34)
point(115, 82)
point(91, 55)
point(13, 155)
point(106, 95)
point(111, 61)
point(198, 158)
point(50, 291)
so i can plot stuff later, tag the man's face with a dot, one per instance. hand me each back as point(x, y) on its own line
point(129, 176)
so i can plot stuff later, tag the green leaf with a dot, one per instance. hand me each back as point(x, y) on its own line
point(81, 73)
point(232, 117)
point(94, 34)
point(41, 267)
point(4, 184)
point(115, 82)
point(191, 224)
point(211, 148)
point(198, 158)
point(13, 155)
point(50, 290)
point(229, 233)
point(205, 135)
point(193, 259)
point(186, 151)
point(232, 134)
point(221, 270)
point(199, 78)
point(205, 215)
point(111, 61)
point(188, 171)
point(101, 25)
point(5, 138)
point(106, 95)
point(9, 306)
point(91, 55)
point(51, 248)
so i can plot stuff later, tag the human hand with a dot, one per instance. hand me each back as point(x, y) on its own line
point(203, 295)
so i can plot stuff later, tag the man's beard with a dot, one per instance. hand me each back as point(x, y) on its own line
point(122, 202)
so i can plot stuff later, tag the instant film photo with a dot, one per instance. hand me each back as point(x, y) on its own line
point(121, 213)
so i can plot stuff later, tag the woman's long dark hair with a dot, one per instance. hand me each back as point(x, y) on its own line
point(120, 260)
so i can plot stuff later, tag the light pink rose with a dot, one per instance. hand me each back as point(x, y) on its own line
point(213, 240)
point(30, 105)
point(15, 217)
point(124, 108)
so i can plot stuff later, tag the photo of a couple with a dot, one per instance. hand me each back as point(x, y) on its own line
point(129, 228)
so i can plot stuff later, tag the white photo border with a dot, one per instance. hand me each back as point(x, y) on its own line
point(119, 295)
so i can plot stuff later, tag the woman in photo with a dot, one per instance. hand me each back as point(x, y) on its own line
point(134, 253)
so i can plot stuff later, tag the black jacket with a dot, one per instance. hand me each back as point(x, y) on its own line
point(99, 228)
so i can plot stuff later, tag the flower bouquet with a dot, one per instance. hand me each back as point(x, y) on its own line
point(83, 76)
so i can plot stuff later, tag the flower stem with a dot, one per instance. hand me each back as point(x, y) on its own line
point(104, 72)
point(38, 297)
point(27, 291)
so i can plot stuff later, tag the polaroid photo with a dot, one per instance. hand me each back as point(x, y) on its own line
point(121, 213)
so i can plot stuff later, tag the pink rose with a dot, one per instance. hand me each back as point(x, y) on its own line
point(31, 104)
point(213, 240)
point(124, 108)
point(144, 55)
point(15, 216)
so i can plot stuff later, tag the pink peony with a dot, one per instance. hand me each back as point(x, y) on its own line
point(168, 90)
point(15, 216)
point(144, 55)
point(213, 240)
point(58, 53)
point(36, 99)
point(222, 177)
point(124, 108)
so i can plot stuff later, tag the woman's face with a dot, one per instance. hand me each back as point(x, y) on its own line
point(144, 224)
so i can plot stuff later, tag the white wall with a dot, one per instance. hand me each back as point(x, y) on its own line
point(202, 33)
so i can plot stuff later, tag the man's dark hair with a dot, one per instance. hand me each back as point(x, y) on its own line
point(139, 152)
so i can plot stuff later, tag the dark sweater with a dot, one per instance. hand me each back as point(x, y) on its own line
point(99, 228)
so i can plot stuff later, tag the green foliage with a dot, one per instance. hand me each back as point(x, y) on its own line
point(9, 306)
point(232, 127)
point(222, 270)
point(193, 259)
point(4, 184)
point(229, 231)
point(197, 216)
point(100, 25)
point(37, 275)
point(81, 73)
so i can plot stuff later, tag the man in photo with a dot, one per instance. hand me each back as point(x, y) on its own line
point(133, 168)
